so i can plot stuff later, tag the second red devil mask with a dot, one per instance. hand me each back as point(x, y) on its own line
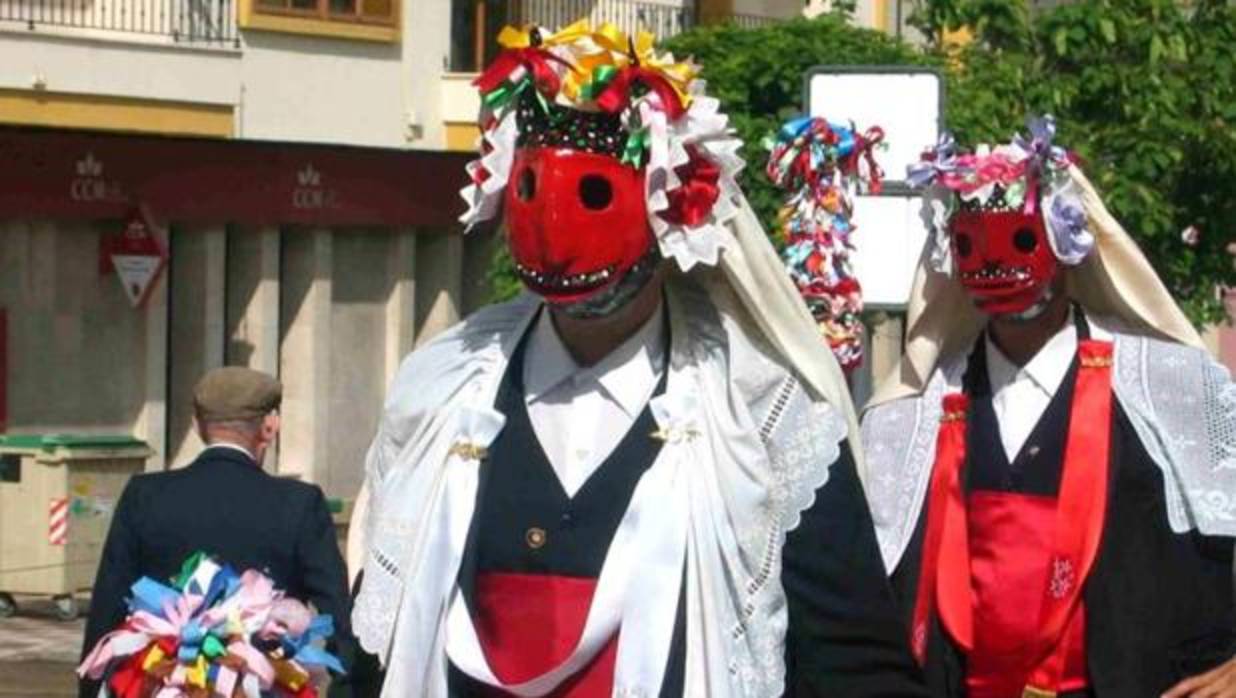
point(1003, 258)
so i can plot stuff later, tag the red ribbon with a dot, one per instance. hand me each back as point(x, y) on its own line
point(691, 203)
point(1081, 506)
point(617, 95)
point(535, 60)
point(865, 148)
point(945, 521)
point(1080, 509)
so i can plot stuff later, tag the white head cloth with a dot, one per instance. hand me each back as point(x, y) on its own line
point(1180, 402)
point(1116, 282)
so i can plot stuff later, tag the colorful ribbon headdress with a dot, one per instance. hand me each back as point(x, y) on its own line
point(819, 163)
point(1029, 173)
point(618, 93)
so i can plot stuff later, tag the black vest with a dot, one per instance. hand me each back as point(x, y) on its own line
point(1159, 605)
point(519, 492)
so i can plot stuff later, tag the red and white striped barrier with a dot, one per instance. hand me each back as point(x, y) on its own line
point(58, 521)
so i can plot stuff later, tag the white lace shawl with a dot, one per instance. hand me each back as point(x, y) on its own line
point(1181, 403)
point(763, 447)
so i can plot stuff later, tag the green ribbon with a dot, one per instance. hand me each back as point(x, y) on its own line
point(503, 96)
point(188, 568)
point(213, 647)
point(633, 152)
point(602, 76)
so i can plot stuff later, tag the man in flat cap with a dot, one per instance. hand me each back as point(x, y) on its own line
point(224, 504)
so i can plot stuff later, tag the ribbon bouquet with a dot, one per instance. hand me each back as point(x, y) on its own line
point(819, 163)
point(213, 633)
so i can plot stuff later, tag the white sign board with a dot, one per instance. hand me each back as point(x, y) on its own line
point(887, 244)
point(890, 233)
point(906, 105)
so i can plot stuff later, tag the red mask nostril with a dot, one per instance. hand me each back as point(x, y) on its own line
point(526, 186)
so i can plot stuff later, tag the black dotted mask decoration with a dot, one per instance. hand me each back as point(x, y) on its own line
point(996, 203)
point(564, 127)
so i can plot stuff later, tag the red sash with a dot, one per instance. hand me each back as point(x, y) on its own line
point(529, 623)
point(1081, 505)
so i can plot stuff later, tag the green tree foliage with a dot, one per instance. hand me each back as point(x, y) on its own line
point(758, 76)
point(1144, 91)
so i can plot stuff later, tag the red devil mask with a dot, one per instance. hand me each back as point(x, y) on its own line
point(1003, 258)
point(576, 221)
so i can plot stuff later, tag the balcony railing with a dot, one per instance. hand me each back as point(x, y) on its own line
point(475, 23)
point(662, 19)
point(210, 22)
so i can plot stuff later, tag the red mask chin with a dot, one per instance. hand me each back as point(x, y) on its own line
point(1003, 259)
point(576, 222)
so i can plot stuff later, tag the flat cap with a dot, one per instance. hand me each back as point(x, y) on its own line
point(233, 392)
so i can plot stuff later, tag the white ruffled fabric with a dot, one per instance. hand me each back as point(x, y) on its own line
point(755, 444)
point(1181, 403)
point(703, 127)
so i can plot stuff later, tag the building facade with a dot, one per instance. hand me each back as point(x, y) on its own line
point(270, 183)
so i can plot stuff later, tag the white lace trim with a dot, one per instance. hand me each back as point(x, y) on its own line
point(1181, 403)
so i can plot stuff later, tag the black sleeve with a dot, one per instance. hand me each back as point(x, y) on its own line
point(323, 579)
point(845, 636)
point(118, 570)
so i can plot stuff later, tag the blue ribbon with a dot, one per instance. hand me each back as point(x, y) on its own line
point(303, 651)
point(191, 638)
point(151, 596)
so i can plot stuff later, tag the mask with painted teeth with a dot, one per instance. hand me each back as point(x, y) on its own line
point(576, 222)
point(1004, 260)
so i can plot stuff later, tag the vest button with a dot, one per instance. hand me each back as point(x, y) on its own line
point(535, 538)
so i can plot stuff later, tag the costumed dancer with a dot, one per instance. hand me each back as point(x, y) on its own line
point(635, 479)
point(1052, 471)
point(820, 164)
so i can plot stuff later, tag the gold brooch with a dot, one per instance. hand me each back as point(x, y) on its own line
point(468, 450)
point(1096, 361)
point(953, 416)
point(674, 435)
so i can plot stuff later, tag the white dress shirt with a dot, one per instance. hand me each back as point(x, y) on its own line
point(1020, 395)
point(579, 413)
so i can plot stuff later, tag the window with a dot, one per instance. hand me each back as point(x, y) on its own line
point(474, 30)
point(375, 11)
point(371, 20)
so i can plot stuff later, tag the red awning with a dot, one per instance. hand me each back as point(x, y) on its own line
point(53, 173)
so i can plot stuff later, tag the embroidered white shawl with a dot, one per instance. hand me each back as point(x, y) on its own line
point(1181, 402)
point(752, 447)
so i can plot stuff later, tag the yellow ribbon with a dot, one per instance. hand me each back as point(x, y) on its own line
point(153, 658)
point(678, 74)
point(606, 45)
point(289, 675)
point(195, 675)
point(521, 37)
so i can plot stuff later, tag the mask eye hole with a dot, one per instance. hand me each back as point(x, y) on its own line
point(964, 246)
point(1025, 240)
point(525, 188)
point(595, 192)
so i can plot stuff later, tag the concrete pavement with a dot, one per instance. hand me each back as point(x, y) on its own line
point(38, 652)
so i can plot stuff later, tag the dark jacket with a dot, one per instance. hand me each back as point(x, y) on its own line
point(225, 505)
point(1159, 604)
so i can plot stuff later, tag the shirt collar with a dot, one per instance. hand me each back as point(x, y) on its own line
point(1046, 370)
point(627, 374)
point(232, 446)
